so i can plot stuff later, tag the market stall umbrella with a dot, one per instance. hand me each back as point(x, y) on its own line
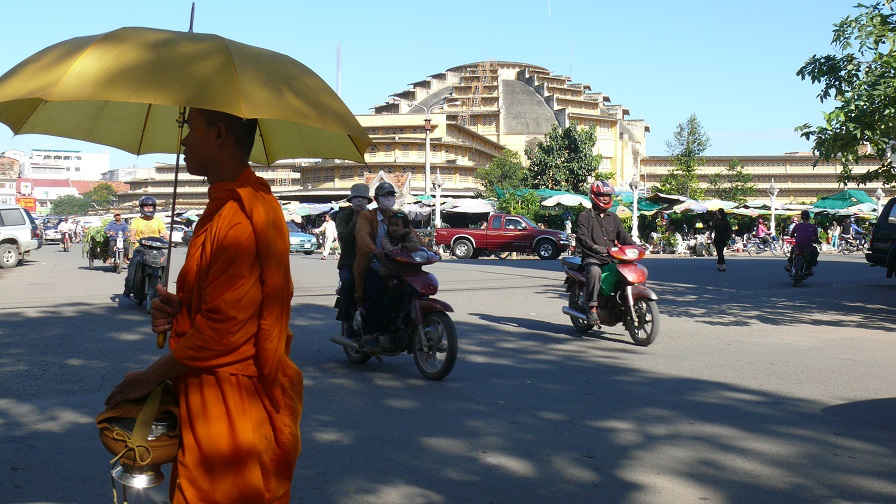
point(715, 204)
point(126, 89)
point(844, 199)
point(567, 200)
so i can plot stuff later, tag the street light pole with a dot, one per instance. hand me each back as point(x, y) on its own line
point(880, 198)
point(427, 128)
point(438, 182)
point(772, 192)
point(635, 184)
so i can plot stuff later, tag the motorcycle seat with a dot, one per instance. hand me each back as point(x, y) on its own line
point(574, 263)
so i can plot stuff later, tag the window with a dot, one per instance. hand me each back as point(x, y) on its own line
point(511, 223)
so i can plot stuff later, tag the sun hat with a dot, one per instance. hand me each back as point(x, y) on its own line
point(360, 189)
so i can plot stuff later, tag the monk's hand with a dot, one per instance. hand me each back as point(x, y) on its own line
point(164, 308)
point(136, 384)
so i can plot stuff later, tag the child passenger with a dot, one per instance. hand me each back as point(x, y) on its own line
point(398, 236)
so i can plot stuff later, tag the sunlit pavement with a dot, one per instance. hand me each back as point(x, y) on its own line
point(755, 391)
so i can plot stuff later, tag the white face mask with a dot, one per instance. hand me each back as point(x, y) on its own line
point(359, 204)
point(386, 202)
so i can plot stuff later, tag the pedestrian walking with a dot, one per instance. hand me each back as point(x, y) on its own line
point(721, 235)
point(328, 228)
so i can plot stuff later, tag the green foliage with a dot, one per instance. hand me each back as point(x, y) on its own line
point(732, 183)
point(95, 237)
point(505, 172)
point(102, 195)
point(564, 161)
point(686, 147)
point(861, 78)
point(528, 204)
point(69, 204)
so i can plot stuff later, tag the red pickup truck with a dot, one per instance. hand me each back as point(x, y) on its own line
point(504, 233)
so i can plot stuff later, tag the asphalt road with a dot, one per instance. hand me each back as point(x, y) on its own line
point(755, 391)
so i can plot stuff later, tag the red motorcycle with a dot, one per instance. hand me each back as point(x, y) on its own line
point(630, 303)
point(417, 323)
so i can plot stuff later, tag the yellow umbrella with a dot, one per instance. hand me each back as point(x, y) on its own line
point(127, 88)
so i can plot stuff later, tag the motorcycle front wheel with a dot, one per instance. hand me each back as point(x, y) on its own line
point(646, 327)
point(579, 324)
point(151, 282)
point(774, 248)
point(118, 260)
point(435, 347)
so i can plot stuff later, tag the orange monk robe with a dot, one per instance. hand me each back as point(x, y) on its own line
point(241, 405)
point(365, 244)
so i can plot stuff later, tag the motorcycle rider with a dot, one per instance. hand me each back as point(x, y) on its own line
point(597, 231)
point(112, 229)
point(148, 225)
point(855, 232)
point(805, 235)
point(793, 222)
point(371, 227)
point(762, 233)
point(346, 223)
point(64, 228)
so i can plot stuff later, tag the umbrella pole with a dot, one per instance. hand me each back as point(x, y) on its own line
point(181, 120)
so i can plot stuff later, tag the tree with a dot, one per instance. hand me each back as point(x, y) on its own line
point(564, 161)
point(527, 204)
point(69, 204)
point(732, 183)
point(504, 172)
point(102, 195)
point(861, 77)
point(686, 147)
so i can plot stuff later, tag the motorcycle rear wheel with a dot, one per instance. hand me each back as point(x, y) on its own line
point(90, 258)
point(751, 249)
point(439, 336)
point(354, 355)
point(645, 330)
point(579, 324)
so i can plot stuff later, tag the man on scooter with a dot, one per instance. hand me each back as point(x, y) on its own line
point(148, 225)
point(112, 229)
point(597, 231)
point(346, 224)
point(805, 235)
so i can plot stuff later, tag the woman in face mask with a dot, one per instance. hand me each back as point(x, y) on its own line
point(346, 224)
point(369, 286)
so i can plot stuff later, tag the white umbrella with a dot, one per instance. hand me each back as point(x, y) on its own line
point(567, 200)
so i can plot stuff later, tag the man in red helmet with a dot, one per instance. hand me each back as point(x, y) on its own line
point(597, 231)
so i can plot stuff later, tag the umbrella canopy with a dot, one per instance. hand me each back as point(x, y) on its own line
point(844, 199)
point(715, 204)
point(567, 200)
point(462, 205)
point(690, 206)
point(125, 89)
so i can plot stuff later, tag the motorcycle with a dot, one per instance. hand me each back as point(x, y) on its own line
point(799, 271)
point(416, 322)
point(118, 258)
point(630, 303)
point(66, 241)
point(849, 245)
point(150, 270)
point(756, 246)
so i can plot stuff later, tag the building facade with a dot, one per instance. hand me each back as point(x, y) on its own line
point(794, 176)
point(65, 165)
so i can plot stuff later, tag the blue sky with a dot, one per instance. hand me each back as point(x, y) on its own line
point(733, 64)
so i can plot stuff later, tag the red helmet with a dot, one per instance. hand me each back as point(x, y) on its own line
point(761, 221)
point(601, 188)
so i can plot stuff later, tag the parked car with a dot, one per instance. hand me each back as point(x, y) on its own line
point(177, 234)
point(49, 224)
point(299, 241)
point(503, 233)
point(882, 245)
point(187, 237)
point(19, 235)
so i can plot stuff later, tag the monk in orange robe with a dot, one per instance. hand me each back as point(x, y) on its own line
point(240, 394)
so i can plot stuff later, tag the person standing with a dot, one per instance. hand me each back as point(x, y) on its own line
point(239, 393)
point(328, 228)
point(346, 223)
point(835, 235)
point(721, 236)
